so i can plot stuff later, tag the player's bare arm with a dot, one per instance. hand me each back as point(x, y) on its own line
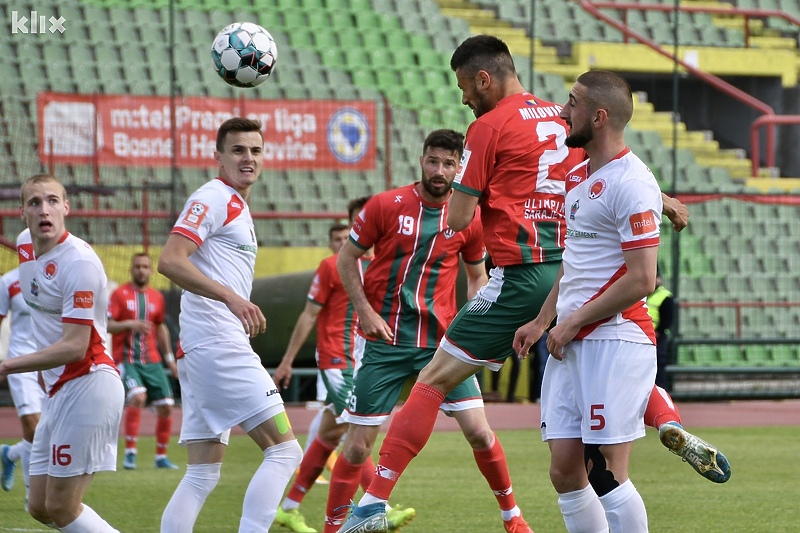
point(347, 264)
point(70, 349)
point(528, 334)
point(302, 329)
point(138, 326)
point(461, 210)
point(476, 278)
point(164, 343)
point(638, 281)
point(676, 211)
point(174, 264)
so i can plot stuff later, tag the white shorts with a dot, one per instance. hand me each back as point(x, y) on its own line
point(77, 433)
point(26, 392)
point(222, 386)
point(598, 392)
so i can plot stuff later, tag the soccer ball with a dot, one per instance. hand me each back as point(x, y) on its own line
point(244, 54)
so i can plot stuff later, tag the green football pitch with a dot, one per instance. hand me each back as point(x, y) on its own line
point(450, 496)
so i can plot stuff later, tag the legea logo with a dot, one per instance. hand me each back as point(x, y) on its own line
point(36, 23)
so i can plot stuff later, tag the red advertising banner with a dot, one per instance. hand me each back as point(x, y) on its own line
point(138, 131)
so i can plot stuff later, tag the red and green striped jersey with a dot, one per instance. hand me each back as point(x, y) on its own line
point(336, 321)
point(411, 281)
point(130, 303)
point(515, 161)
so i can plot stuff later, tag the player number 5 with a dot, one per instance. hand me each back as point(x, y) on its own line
point(598, 420)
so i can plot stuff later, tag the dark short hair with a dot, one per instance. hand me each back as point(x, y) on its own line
point(483, 52)
point(337, 226)
point(355, 205)
point(236, 124)
point(610, 91)
point(450, 140)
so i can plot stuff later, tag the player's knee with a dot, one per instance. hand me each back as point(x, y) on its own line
point(164, 411)
point(480, 437)
point(356, 451)
point(202, 478)
point(38, 511)
point(60, 511)
point(137, 400)
point(600, 477)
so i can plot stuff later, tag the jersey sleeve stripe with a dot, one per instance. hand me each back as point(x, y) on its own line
point(467, 190)
point(84, 321)
point(641, 243)
point(188, 234)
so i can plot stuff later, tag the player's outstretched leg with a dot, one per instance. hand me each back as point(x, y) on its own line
point(706, 459)
point(8, 468)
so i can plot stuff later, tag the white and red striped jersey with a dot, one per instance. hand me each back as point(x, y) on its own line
point(614, 209)
point(65, 285)
point(218, 220)
point(21, 340)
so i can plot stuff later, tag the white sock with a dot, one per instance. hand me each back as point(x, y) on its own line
point(369, 499)
point(625, 509)
point(15, 450)
point(187, 500)
point(25, 461)
point(582, 511)
point(511, 513)
point(289, 504)
point(266, 488)
point(88, 522)
point(313, 428)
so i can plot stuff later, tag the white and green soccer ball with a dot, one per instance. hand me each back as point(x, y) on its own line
point(244, 54)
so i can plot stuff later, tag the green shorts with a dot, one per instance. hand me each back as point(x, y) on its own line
point(483, 331)
point(380, 379)
point(339, 384)
point(150, 378)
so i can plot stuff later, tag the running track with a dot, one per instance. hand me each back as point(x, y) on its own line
point(526, 416)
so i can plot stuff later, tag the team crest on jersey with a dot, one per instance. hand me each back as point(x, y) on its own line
point(195, 215)
point(574, 209)
point(50, 269)
point(448, 232)
point(34, 287)
point(596, 189)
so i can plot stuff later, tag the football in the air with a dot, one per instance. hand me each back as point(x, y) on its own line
point(244, 54)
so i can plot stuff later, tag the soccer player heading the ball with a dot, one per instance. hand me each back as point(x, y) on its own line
point(211, 254)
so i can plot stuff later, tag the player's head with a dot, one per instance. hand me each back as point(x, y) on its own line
point(337, 236)
point(44, 207)
point(141, 269)
point(441, 155)
point(483, 65)
point(355, 206)
point(599, 99)
point(240, 152)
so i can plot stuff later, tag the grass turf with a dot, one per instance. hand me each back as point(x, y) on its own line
point(450, 496)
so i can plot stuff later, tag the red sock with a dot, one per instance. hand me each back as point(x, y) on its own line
point(367, 473)
point(344, 484)
point(660, 409)
point(310, 468)
point(408, 433)
point(163, 432)
point(133, 417)
point(492, 464)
